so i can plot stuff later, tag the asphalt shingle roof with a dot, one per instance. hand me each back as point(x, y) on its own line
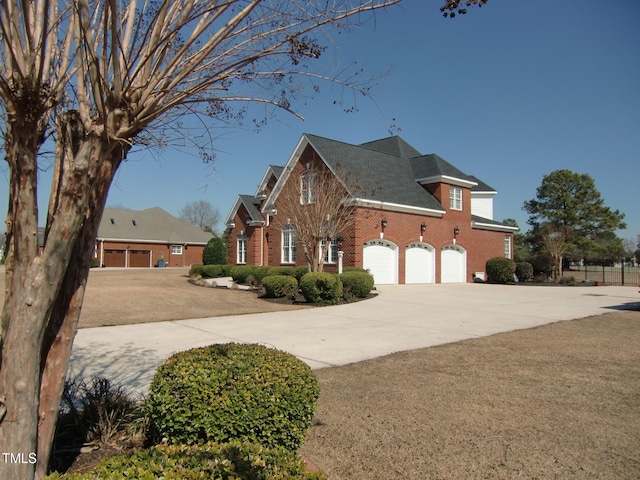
point(152, 224)
point(380, 176)
point(252, 204)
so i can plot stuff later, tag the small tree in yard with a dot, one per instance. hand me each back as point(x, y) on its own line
point(202, 214)
point(97, 76)
point(319, 206)
point(215, 252)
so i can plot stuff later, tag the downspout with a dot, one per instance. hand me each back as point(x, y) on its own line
point(262, 245)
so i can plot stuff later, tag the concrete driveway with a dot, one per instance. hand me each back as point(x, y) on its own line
point(401, 317)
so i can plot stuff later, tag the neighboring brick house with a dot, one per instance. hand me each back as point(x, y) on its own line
point(148, 238)
point(418, 218)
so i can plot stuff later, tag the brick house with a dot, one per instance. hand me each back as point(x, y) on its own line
point(148, 238)
point(417, 218)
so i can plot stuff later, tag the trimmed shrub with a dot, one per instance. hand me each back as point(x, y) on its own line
point(500, 270)
point(235, 460)
point(226, 270)
point(196, 270)
point(300, 272)
point(212, 271)
point(321, 287)
point(239, 274)
point(524, 271)
point(358, 284)
point(232, 391)
point(259, 272)
point(354, 269)
point(279, 286)
point(290, 271)
point(215, 252)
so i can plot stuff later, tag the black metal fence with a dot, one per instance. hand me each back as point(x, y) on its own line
point(620, 274)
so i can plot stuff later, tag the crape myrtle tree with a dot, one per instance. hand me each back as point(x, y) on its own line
point(99, 76)
point(318, 205)
point(569, 217)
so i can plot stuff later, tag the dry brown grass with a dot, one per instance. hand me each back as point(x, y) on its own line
point(120, 297)
point(559, 401)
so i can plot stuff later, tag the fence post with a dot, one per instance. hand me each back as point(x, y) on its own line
point(622, 271)
point(603, 273)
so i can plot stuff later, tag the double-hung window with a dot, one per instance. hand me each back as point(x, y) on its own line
point(507, 246)
point(242, 249)
point(308, 186)
point(176, 249)
point(455, 198)
point(289, 244)
point(330, 251)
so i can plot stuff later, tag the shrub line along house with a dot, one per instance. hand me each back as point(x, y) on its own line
point(148, 238)
point(416, 218)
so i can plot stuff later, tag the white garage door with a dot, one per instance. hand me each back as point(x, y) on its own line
point(381, 259)
point(454, 264)
point(420, 262)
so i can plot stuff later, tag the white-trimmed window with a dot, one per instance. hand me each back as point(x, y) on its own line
point(176, 249)
point(308, 186)
point(455, 198)
point(241, 256)
point(289, 244)
point(507, 246)
point(331, 251)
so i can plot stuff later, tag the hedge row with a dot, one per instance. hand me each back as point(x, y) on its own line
point(211, 271)
point(234, 460)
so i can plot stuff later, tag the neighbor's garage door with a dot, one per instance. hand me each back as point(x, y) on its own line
point(140, 258)
point(454, 264)
point(420, 263)
point(114, 258)
point(381, 259)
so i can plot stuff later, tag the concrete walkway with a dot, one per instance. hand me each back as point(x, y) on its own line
point(401, 317)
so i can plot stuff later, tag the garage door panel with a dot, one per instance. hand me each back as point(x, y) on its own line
point(114, 258)
point(381, 259)
point(420, 263)
point(139, 258)
point(453, 264)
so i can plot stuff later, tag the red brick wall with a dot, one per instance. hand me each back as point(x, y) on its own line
point(191, 254)
point(402, 229)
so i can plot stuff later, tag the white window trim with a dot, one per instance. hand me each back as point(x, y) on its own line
point(178, 249)
point(331, 252)
point(308, 186)
point(507, 246)
point(455, 198)
point(288, 252)
point(241, 250)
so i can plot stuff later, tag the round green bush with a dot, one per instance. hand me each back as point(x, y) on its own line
point(215, 252)
point(234, 460)
point(321, 287)
point(354, 269)
point(524, 271)
point(260, 272)
point(291, 271)
point(300, 272)
point(358, 284)
point(196, 270)
point(500, 270)
point(280, 286)
point(241, 273)
point(211, 271)
point(232, 391)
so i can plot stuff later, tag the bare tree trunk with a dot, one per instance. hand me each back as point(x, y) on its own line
point(43, 300)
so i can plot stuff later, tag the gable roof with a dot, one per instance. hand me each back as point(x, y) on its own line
point(395, 146)
point(150, 225)
point(251, 205)
point(372, 167)
point(275, 170)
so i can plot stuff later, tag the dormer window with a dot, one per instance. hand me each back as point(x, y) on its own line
point(308, 186)
point(455, 198)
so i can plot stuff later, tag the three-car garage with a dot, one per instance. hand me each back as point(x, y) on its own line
point(381, 258)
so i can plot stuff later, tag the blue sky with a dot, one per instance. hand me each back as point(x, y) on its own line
point(508, 93)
